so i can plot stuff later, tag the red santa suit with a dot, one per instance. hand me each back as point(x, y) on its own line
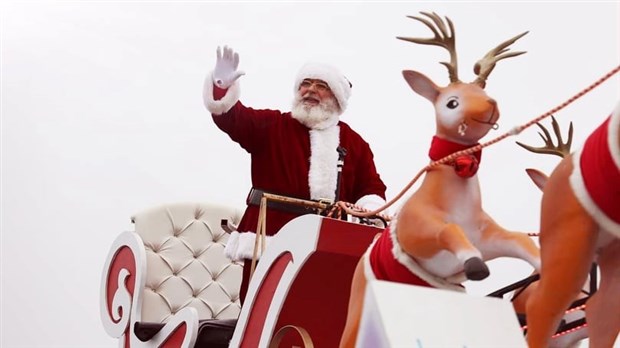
point(595, 179)
point(287, 158)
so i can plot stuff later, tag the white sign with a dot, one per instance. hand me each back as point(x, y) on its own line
point(399, 315)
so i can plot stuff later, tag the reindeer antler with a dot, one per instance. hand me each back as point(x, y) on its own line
point(561, 149)
point(444, 37)
point(484, 66)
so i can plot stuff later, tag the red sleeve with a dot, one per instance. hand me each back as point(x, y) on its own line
point(218, 93)
point(360, 177)
point(245, 125)
point(368, 181)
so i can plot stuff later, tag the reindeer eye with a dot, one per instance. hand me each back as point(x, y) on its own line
point(452, 103)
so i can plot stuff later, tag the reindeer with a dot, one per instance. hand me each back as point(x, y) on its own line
point(519, 301)
point(441, 234)
point(580, 222)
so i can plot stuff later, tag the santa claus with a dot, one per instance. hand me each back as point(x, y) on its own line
point(293, 153)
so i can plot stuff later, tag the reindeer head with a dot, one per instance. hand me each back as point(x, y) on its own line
point(464, 112)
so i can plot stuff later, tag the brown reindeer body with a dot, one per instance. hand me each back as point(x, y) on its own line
point(562, 149)
point(442, 234)
point(433, 222)
point(577, 229)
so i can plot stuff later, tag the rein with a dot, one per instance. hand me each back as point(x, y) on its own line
point(515, 131)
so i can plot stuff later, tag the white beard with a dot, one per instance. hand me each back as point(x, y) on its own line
point(319, 116)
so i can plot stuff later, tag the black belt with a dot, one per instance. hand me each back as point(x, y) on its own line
point(255, 196)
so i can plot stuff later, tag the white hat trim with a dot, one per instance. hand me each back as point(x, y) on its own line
point(338, 84)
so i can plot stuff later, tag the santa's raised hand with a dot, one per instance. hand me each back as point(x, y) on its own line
point(225, 72)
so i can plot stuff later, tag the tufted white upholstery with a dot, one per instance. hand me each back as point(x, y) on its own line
point(171, 275)
point(184, 246)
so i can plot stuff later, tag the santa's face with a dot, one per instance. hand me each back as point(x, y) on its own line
point(314, 91)
point(315, 105)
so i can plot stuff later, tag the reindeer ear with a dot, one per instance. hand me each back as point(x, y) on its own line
point(538, 177)
point(421, 84)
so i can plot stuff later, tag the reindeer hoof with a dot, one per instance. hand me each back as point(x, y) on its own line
point(476, 269)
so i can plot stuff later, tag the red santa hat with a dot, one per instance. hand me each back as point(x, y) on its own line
point(340, 86)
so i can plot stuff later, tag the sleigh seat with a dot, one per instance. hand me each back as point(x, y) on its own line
point(168, 283)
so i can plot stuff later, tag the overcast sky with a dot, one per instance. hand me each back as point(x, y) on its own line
point(102, 117)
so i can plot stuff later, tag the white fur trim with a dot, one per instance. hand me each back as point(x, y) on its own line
point(329, 123)
point(371, 202)
point(339, 84)
point(368, 272)
point(232, 245)
point(241, 246)
point(580, 191)
point(323, 172)
point(613, 134)
point(404, 259)
point(218, 107)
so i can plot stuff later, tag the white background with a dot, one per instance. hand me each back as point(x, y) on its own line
point(102, 117)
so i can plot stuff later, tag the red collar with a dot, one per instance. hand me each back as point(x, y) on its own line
point(465, 166)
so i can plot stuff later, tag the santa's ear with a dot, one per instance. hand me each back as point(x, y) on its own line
point(421, 84)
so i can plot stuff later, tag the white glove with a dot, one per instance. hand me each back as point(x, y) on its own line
point(225, 72)
point(371, 203)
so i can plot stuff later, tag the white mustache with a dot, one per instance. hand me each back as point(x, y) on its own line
point(313, 116)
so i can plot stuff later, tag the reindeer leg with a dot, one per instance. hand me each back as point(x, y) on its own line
point(568, 239)
point(453, 238)
point(356, 302)
point(561, 280)
point(498, 242)
point(603, 308)
point(429, 236)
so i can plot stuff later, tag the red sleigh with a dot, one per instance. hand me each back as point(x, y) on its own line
point(168, 284)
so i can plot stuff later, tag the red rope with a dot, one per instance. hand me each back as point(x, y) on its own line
point(514, 131)
point(579, 308)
